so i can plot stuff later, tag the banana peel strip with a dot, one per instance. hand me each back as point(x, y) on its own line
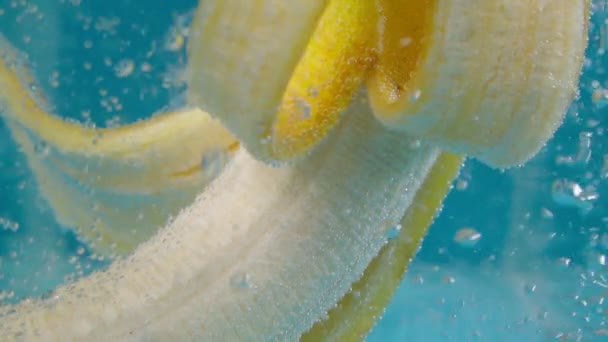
point(114, 186)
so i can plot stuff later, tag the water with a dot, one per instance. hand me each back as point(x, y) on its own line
point(514, 255)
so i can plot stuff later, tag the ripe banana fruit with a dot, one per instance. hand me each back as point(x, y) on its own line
point(265, 251)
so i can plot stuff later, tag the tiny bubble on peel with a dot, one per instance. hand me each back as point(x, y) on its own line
point(313, 92)
point(42, 148)
point(303, 107)
point(393, 232)
point(405, 41)
point(416, 95)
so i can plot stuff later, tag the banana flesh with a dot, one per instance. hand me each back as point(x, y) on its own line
point(264, 252)
point(261, 254)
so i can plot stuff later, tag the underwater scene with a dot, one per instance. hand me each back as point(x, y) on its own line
point(267, 170)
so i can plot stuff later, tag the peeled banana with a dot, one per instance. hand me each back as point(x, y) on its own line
point(265, 251)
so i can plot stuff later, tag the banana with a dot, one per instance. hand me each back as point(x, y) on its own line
point(265, 251)
point(456, 83)
point(114, 186)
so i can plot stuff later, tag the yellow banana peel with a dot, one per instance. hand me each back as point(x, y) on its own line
point(265, 251)
point(114, 186)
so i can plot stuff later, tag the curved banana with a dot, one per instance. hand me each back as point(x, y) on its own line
point(99, 181)
point(264, 251)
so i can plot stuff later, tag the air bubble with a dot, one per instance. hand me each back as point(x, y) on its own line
point(54, 79)
point(303, 108)
point(240, 280)
point(213, 162)
point(124, 68)
point(564, 261)
point(571, 194)
point(462, 184)
point(393, 232)
point(405, 41)
point(10, 225)
point(600, 97)
point(175, 41)
point(601, 259)
point(467, 237)
point(145, 67)
point(416, 95)
point(42, 149)
point(530, 288)
point(546, 213)
point(604, 171)
point(448, 280)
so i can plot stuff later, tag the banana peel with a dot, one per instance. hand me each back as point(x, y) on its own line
point(114, 186)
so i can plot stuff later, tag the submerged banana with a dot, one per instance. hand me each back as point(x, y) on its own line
point(264, 252)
